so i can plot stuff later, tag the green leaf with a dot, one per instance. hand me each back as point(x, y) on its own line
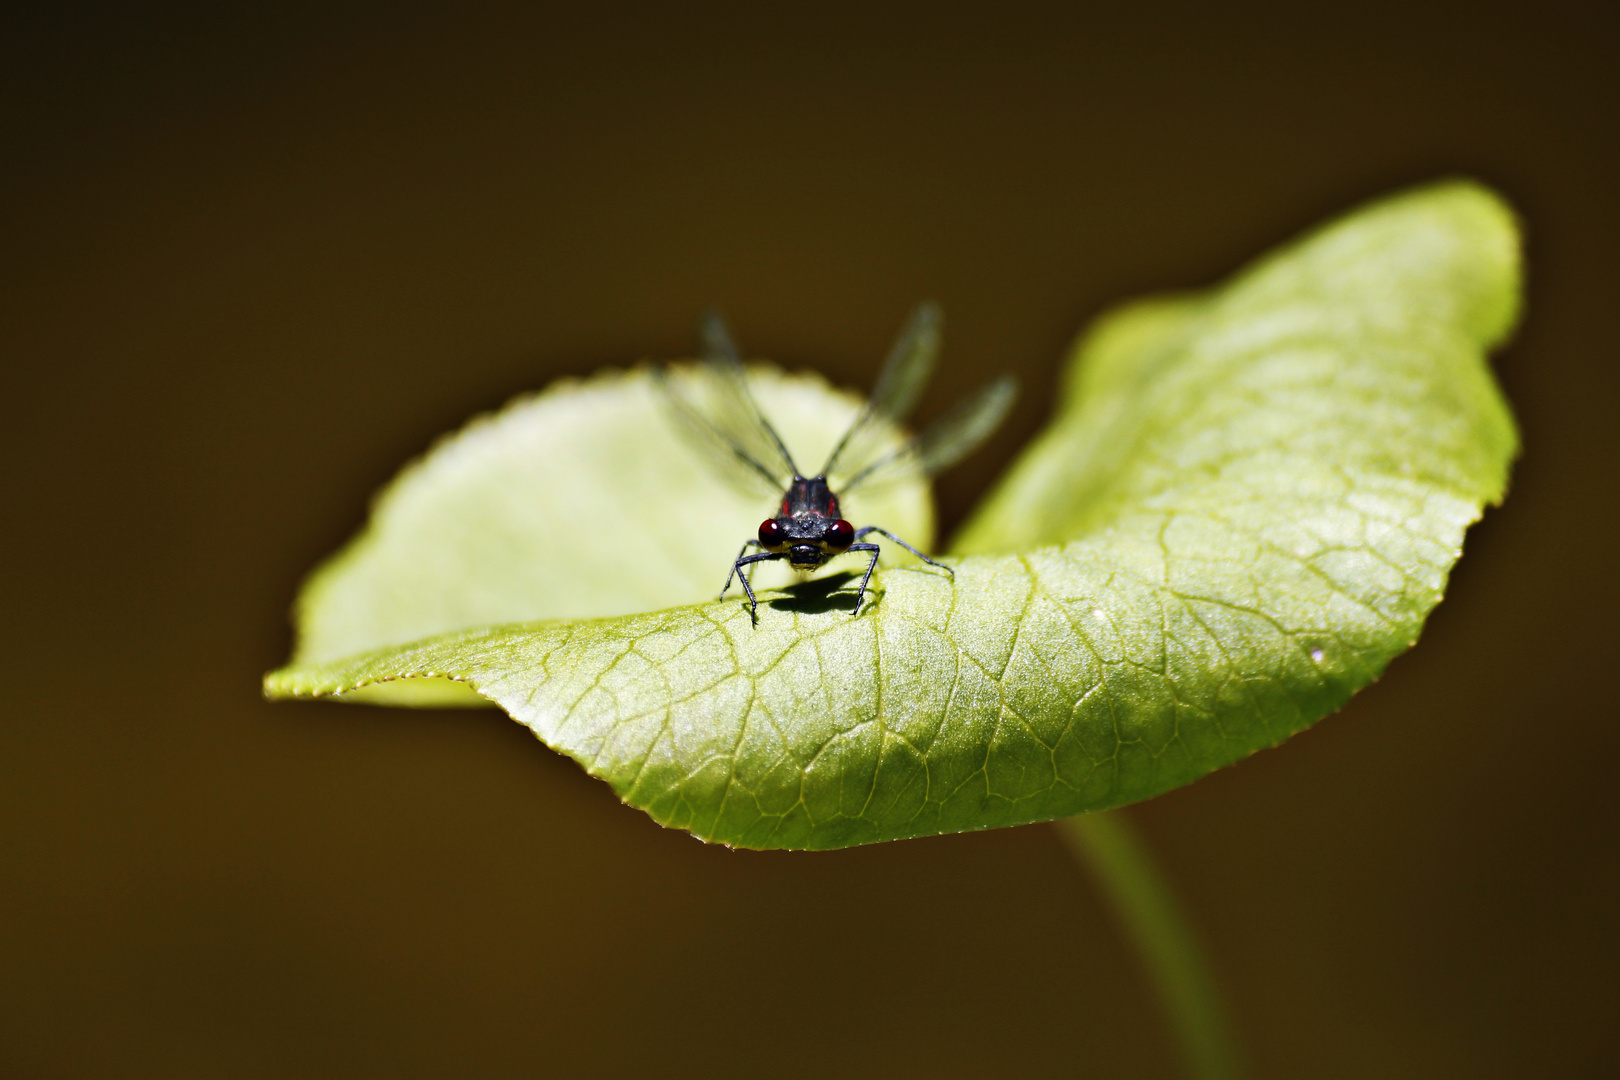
point(579, 502)
point(1246, 505)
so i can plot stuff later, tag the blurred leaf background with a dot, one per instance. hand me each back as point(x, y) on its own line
point(254, 259)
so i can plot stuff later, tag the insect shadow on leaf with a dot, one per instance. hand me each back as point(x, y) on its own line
point(808, 528)
point(816, 595)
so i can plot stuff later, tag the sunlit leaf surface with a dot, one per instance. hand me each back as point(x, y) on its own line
point(583, 501)
point(1246, 504)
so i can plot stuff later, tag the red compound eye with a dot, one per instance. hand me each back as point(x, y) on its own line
point(840, 534)
point(770, 533)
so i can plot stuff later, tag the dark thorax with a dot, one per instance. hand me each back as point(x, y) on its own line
point(809, 529)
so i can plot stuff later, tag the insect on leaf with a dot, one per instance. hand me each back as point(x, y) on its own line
point(1246, 504)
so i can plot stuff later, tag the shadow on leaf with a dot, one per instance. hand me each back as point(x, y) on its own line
point(821, 595)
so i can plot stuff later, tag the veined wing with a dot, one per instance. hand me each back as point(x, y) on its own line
point(715, 404)
point(904, 375)
point(950, 439)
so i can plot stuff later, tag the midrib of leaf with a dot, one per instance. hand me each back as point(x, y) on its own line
point(1246, 505)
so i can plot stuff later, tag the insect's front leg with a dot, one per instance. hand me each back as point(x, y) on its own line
point(860, 593)
point(735, 567)
point(866, 530)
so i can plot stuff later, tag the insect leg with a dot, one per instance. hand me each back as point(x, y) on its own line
point(860, 593)
point(735, 565)
point(737, 568)
point(884, 532)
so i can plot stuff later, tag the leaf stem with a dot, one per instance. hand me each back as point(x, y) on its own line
point(1110, 847)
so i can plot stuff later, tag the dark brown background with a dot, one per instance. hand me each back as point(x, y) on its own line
point(252, 261)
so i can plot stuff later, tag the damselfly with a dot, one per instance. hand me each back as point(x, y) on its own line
point(808, 528)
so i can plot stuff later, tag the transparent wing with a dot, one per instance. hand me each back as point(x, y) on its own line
point(953, 437)
point(716, 408)
point(904, 375)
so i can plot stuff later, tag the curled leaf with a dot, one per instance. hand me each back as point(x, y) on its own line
point(1246, 504)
